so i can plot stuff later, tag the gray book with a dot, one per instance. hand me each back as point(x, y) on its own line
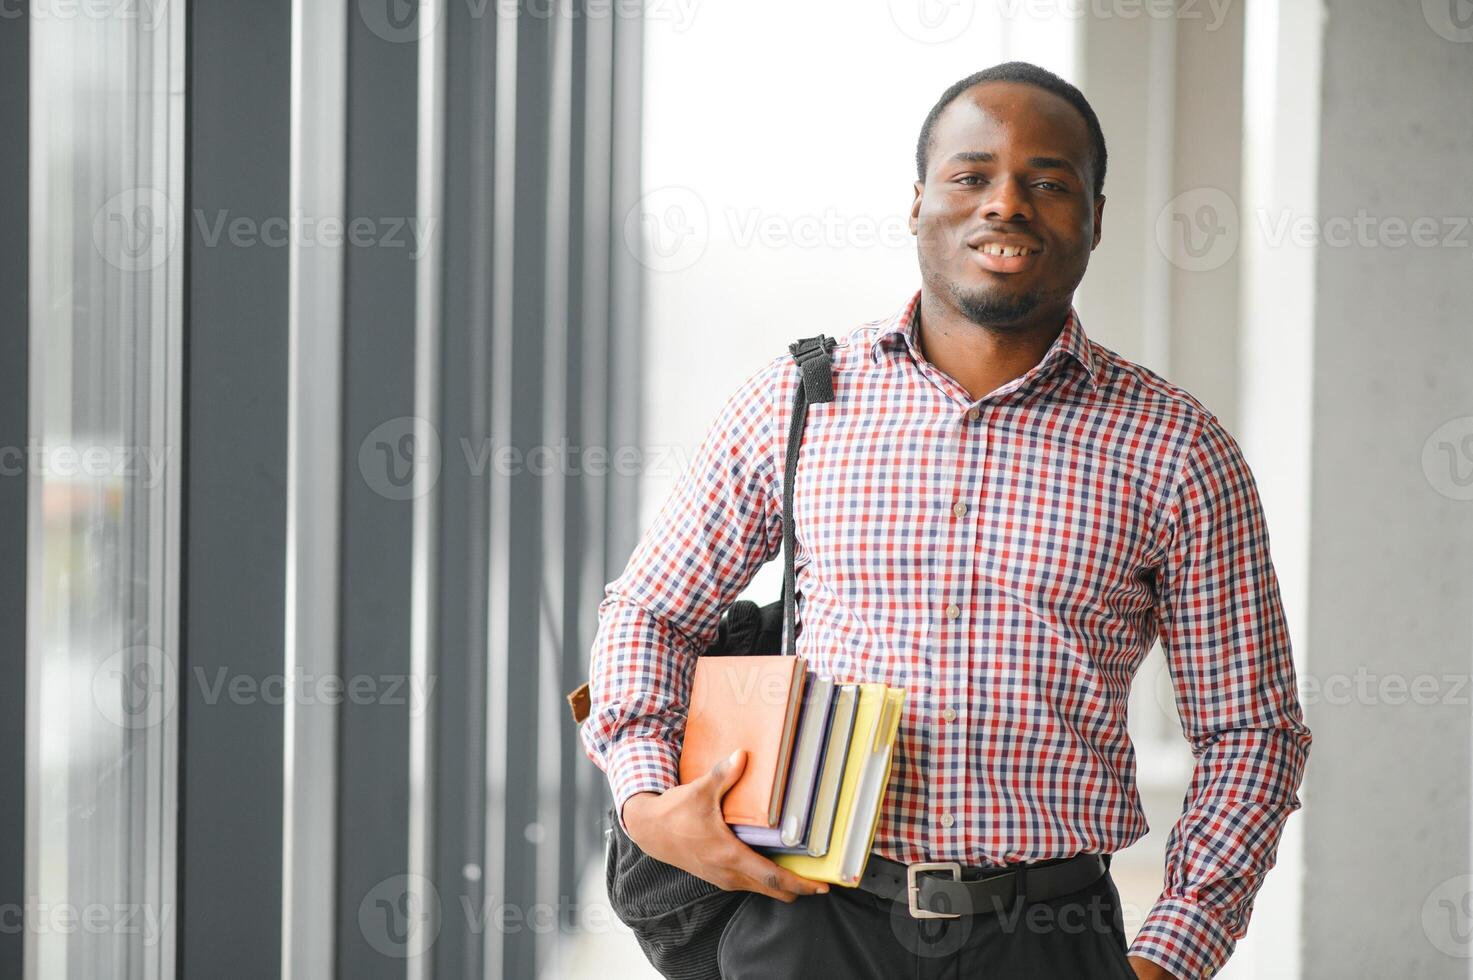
point(831, 776)
point(807, 758)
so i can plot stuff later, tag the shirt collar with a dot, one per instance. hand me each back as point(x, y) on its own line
point(899, 332)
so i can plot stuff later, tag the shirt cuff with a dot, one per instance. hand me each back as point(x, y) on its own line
point(640, 765)
point(1184, 939)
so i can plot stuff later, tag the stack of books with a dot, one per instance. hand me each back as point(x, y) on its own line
point(818, 758)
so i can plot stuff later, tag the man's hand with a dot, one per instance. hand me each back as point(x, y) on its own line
point(1146, 970)
point(683, 826)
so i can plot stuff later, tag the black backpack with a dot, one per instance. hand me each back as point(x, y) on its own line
point(677, 917)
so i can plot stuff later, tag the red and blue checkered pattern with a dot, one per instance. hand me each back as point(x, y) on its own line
point(1009, 560)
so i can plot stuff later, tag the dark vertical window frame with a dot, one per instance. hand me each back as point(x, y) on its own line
point(557, 482)
point(581, 829)
point(519, 639)
point(626, 286)
point(236, 360)
point(572, 669)
point(377, 514)
point(464, 490)
point(14, 421)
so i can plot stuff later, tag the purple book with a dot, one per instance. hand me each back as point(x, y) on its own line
point(758, 836)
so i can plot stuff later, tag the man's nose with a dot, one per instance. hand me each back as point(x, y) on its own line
point(1008, 201)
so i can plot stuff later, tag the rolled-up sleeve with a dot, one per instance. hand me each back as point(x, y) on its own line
point(1227, 647)
point(720, 524)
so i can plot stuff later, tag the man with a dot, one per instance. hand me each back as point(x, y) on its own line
point(1002, 516)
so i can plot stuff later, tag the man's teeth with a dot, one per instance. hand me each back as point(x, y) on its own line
point(1006, 251)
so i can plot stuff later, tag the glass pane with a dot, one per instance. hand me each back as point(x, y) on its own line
point(105, 246)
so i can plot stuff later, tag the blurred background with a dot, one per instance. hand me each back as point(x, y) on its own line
point(350, 345)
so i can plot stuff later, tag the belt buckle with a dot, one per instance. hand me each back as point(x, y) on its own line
point(913, 890)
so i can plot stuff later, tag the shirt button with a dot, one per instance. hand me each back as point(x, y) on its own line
point(958, 508)
point(973, 414)
point(949, 714)
point(947, 820)
point(953, 611)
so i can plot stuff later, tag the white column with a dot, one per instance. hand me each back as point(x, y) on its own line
point(1390, 545)
point(1276, 370)
point(314, 481)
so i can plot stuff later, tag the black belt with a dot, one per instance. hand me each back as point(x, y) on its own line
point(946, 890)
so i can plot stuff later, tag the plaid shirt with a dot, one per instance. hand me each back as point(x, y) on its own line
point(1009, 560)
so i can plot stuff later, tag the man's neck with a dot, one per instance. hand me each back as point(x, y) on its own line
point(982, 359)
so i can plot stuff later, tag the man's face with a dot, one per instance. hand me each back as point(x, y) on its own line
point(1010, 166)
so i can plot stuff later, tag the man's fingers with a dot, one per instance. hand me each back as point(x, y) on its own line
point(797, 883)
point(759, 868)
point(767, 885)
point(755, 872)
point(730, 878)
point(771, 892)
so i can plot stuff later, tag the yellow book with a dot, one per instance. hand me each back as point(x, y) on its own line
point(867, 770)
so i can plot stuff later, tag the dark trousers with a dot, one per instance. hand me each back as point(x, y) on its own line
point(851, 933)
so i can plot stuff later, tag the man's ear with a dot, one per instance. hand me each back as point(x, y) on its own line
point(915, 207)
point(1099, 221)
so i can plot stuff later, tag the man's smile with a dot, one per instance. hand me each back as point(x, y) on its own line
point(995, 257)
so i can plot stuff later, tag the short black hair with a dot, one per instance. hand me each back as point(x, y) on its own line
point(1027, 74)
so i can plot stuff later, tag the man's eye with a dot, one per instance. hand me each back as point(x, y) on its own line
point(971, 178)
point(1052, 185)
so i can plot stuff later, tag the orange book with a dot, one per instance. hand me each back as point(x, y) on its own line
point(747, 703)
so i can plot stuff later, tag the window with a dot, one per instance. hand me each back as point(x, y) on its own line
point(105, 326)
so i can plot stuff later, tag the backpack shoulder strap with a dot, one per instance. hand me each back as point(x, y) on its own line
point(816, 384)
